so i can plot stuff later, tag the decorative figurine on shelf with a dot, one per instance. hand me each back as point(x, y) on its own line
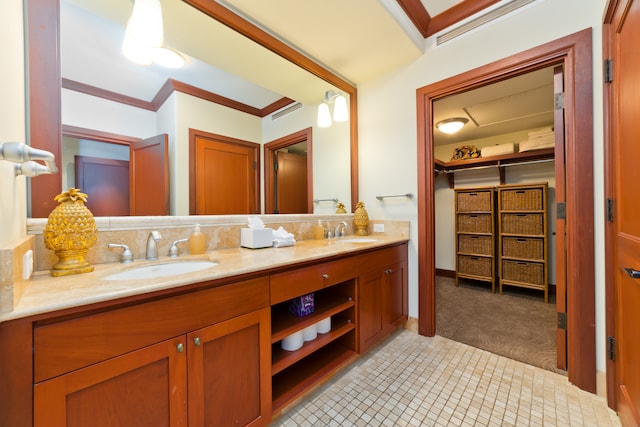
point(70, 232)
point(360, 219)
point(340, 208)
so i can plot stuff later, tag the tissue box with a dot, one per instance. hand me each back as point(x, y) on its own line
point(302, 305)
point(255, 238)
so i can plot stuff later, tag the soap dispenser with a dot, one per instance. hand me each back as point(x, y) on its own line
point(196, 241)
point(318, 231)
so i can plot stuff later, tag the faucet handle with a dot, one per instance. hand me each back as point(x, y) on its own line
point(174, 251)
point(126, 256)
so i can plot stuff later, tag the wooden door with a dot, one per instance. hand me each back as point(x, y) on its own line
point(291, 183)
point(623, 40)
point(149, 176)
point(106, 182)
point(146, 387)
point(394, 296)
point(561, 233)
point(226, 177)
point(369, 310)
point(230, 372)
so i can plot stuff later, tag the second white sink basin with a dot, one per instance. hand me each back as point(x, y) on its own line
point(171, 268)
point(357, 240)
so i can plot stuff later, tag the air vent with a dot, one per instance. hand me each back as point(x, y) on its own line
point(286, 111)
point(481, 20)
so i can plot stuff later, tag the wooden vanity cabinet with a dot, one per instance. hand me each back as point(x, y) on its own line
point(212, 366)
point(382, 295)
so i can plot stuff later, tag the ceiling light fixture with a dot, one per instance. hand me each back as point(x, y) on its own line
point(452, 125)
point(340, 109)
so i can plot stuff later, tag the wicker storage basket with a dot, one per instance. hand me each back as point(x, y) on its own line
point(474, 223)
point(523, 247)
point(471, 244)
point(522, 200)
point(530, 223)
point(475, 266)
point(474, 201)
point(523, 272)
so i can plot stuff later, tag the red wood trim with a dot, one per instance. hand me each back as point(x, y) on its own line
point(417, 14)
point(106, 94)
point(456, 14)
point(162, 95)
point(275, 106)
point(215, 98)
point(269, 157)
point(44, 97)
point(96, 135)
point(574, 51)
point(445, 273)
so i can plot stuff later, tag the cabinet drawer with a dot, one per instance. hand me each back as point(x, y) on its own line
point(304, 280)
point(523, 247)
point(473, 201)
point(475, 266)
point(479, 245)
point(530, 199)
point(523, 272)
point(531, 223)
point(475, 223)
point(71, 344)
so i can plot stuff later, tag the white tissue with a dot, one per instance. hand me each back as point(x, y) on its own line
point(282, 238)
point(255, 222)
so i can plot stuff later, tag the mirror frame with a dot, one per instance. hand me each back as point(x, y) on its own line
point(43, 68)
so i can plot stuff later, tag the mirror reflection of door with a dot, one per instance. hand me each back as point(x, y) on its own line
point(126, 177)
point(289, 174)
point(224, 174)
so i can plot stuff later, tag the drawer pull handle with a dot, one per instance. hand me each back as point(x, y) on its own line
point(325, 276)
point(633, 273)
point(520, 192)
point(522, 263)
point(521, 240)
point(473, 194)
point(180, 347)
point(475, 237)
point(521, 214)
point(473, 216)
point(388, 271)
point(196, 341)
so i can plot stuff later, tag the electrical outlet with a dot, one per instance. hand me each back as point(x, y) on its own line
point(378, 228)
point(27, 265)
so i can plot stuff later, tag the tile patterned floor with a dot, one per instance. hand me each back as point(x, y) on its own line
point(416, 381)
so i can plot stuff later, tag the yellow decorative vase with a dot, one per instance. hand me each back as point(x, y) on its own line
point(340, 208)
point(70, 232)
point(360, 219)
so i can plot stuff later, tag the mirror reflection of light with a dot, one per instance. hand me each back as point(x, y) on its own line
point(145, 24)
point(134, 51)
point(167, 57)
point(324, 116)
point(340, 110)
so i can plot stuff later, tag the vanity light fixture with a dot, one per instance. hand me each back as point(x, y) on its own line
point(340, 109)
point(452, 125)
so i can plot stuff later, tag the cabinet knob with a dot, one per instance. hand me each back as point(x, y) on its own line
point(180, 347)
point(325, 276)
point(388, 271)
point(196, 341)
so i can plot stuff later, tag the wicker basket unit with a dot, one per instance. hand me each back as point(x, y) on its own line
point(523, 223)
point(473, 201)
point(530, 273)
point(478, 267)
point(522, 200)
point(523, 247)
point(477, 245)
point(475, 223)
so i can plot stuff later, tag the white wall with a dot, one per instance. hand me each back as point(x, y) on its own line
point(13, 200)
point(387, 116)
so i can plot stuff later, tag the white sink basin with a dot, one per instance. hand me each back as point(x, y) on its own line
point(172, 268)
point(357, 240)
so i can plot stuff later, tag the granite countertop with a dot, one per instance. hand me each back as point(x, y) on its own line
point(44, 293)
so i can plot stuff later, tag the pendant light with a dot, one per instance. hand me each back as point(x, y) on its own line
point(340, 109)
point(145, 24)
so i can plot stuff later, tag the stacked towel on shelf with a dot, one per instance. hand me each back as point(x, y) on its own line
point(497, 150)
point(538, 139)
point(282, 238)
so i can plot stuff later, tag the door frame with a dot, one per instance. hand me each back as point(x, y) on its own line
point(270, 149)
point(574, 52)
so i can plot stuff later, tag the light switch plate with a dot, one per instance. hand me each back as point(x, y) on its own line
point(378, 228)
point(27, 265)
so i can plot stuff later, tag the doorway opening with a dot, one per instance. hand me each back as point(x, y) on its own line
point(574, 53)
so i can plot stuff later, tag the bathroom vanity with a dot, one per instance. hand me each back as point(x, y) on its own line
point(203, 348)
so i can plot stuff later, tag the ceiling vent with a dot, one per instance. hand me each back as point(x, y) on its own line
point(286, 111)
point(481, 20)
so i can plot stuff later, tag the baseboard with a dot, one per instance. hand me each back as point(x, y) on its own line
point(445, 273)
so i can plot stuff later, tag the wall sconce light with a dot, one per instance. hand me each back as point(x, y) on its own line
point(452, 125)
point(340, 109)
point(144, 38)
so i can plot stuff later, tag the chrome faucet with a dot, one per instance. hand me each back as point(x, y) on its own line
point(337, 233)
point(126, 256)
point(152, 245)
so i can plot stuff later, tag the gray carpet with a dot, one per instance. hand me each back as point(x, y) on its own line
point(517, 324)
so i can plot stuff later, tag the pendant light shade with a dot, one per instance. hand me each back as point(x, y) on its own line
point(452, 125)
point(134, 51)
point(324, 115)
point(145, 24)
point(340, 110)
point(167, 57)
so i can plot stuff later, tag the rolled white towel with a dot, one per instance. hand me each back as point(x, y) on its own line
point(280, 243)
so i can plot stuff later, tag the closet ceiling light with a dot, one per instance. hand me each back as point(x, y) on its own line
point(452, 125)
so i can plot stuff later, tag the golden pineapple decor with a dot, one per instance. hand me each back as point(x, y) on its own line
point(360, 219)
point(340, 208)
point(70, 232)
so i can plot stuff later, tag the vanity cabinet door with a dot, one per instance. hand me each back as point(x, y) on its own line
point(146, 387)
point(394, 296)
point(229, 372)
point(370, 310)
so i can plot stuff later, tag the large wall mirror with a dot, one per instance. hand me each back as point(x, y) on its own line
point(238, 82)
